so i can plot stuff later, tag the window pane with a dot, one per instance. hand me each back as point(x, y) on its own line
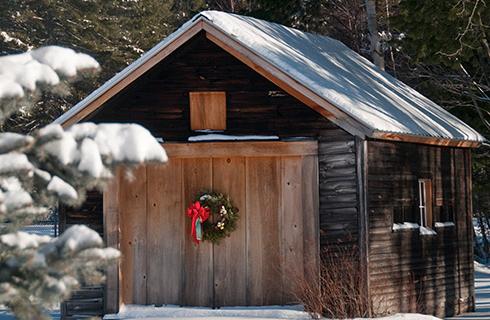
point(425, 202)
point(428, 203)
point(447, 214)
point(439, 214)
point(398, 215)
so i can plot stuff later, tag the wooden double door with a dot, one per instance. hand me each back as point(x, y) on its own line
point(275, 247)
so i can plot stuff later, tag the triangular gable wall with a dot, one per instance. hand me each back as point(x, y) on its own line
point(159, 99)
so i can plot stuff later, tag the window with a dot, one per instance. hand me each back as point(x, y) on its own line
point(425, 202)
point(447, 214)
point(443, 213)
point(208, 110)
point(421, 214)
point(405, 213)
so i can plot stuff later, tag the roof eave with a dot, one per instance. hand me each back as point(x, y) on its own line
point(438, 141)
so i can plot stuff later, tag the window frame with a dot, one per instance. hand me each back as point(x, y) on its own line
point(426, 203)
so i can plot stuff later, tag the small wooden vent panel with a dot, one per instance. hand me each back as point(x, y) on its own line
point(208, 110)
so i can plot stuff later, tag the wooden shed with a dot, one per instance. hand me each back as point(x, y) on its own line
point(337, 153)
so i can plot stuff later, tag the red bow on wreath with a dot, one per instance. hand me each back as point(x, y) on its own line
point(199, 214)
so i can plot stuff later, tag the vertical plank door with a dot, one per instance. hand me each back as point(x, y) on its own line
point(264, 281)
point(275, 246)
point(111, 236)
point(230, 254)
point(165, 233)
point(132, 197)
point(291, 227)
point(198, 259)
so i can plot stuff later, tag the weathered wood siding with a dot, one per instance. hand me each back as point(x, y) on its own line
point(410, 272)
point(89, 213)
point(339, 214)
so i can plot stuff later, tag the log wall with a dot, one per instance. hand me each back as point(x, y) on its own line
point(410, 272)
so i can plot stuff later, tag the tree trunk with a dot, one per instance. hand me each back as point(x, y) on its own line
point(483, 231)
point(487, 247)
point(375, 48)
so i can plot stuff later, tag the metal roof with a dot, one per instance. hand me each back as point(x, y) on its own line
point(329, 69)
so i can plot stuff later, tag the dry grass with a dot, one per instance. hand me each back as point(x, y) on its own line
point(341, 291)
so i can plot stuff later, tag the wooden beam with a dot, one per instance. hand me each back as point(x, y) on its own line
point(239, 149)
point(362, 190)
point(133, 75)
point(469, 224)
point(285, 82)
point(111, 237)
point(425, 140)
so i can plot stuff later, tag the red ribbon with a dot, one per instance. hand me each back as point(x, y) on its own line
point(196, 211)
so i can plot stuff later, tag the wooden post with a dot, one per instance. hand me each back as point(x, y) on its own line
point(61, 218)
point(111, 237)
point(469, 222)
point(361, 168)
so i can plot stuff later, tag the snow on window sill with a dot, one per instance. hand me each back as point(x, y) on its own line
point(405, 226)
point(427, 232)
point(443, 224)
point(413, 226)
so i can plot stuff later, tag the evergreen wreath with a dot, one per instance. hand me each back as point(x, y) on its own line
point(213, 217)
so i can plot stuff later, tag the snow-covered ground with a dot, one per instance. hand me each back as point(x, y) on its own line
point(6, 315)
point(482, 292)
point(482, 289)
point(479, 245)
point(176, 312)
point(234, 313)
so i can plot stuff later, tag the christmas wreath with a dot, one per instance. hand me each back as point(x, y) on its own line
point(213, 217)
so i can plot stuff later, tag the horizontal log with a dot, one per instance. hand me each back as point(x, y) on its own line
point(336, 147)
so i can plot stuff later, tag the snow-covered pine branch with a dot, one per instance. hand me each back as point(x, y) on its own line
point(54, 166)
point(24, 73)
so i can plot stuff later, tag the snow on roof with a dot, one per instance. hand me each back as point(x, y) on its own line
point(332, 71)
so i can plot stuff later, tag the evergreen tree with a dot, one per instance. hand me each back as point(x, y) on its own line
point(53, 165)
point(447, 41)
